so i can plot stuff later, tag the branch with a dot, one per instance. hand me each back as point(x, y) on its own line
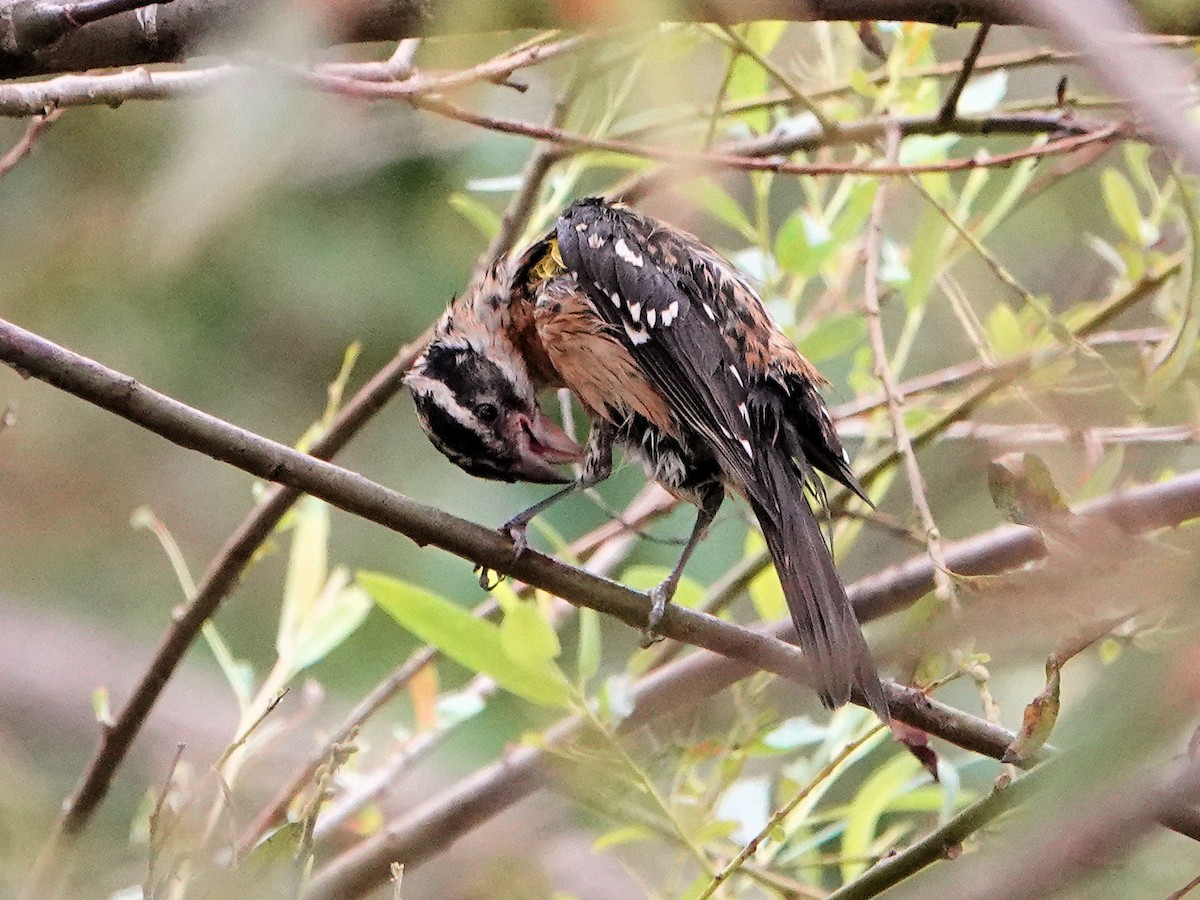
point(753, 650)
point(173, 33)
point(435, 824)
point(218, 582)
point(891, 387)
point(22, 148)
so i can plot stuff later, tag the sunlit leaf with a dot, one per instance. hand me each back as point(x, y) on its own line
point(1122, 204)
point(335, 615)
point(1039, 719)
point(833, 336)
point(625, 834)
point(589, 651)
point(483, 217)
point(642, 578)
point(1004, 332)
point(1104, 476)
point(526, 633)
point(983, 93)
point(766, 593)
point(306, 572)
point(470, 641)
point(869, 804)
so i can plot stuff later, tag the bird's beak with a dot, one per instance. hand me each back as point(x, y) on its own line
point(541, 445)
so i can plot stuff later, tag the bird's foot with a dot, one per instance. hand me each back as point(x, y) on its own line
point(515, 531)
point(660, 596)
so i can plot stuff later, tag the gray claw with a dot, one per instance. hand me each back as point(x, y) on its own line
point(515, 531)
point(660, 596)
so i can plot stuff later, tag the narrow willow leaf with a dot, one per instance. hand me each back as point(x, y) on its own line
point(869, 804)
point(1004, 332)
point(590, 650)
point(1122, 204)
point(485, 220)
point(337, 613)
point(306, 572)
point(833, 336)
point(469, 641)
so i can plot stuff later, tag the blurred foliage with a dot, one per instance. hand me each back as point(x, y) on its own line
point(228, 249)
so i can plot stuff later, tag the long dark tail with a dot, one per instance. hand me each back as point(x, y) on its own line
point(830, 635)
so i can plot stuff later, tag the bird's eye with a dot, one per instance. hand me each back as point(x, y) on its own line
point(487, 413)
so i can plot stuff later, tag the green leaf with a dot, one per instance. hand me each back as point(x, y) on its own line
point(469, 641)
point(1122, 204)
point(625, 834)
point(766, 593)
point(483, 217)
point(100, 706)
point(872, 800)
point(1104, 476)
point(983, 93)
point(717, 202)
point(589, 652)
point(1004, 332)
point(338, 611)
point(527, 635)
point(748, 80)
point(642, 578)
point(833, 336)
point(306, 572)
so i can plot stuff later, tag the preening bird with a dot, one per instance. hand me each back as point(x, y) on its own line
point(674, 357)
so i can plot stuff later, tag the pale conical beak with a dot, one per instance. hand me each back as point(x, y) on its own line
point(540, 445)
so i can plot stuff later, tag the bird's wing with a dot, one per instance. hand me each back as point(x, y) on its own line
point(660, 290)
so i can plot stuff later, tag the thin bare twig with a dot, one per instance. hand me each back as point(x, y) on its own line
point(218, 582)
point(22, 148)
point(891, 389)
point(949, 108)
point(701, 161)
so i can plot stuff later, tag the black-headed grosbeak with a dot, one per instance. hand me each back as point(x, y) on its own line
point(674, 357)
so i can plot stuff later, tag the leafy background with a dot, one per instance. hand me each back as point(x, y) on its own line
point(227, 250)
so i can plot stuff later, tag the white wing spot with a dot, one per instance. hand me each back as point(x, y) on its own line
point(670, 313)
point(595, 241)
point(623, 251)
point(616, 299)
point(637, 336)
point(745, 412)
point(652, 317)
point(708, 309)
point(635, 311)
point(582, 226)
point(746, 446)
point(736, 374)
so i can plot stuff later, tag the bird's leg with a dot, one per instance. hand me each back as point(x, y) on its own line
point(597, 466)
point(660, 596)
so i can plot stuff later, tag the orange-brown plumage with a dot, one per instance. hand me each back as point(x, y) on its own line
point(675, 357)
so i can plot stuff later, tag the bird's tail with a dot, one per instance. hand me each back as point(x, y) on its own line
point(830, 635)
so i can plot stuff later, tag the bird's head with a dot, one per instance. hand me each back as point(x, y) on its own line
point(476, 401)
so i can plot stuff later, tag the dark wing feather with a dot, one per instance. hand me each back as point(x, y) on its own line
point(651, 287)
point(657, 288)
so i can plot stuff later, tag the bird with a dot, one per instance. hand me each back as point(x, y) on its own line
point(675, 359)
